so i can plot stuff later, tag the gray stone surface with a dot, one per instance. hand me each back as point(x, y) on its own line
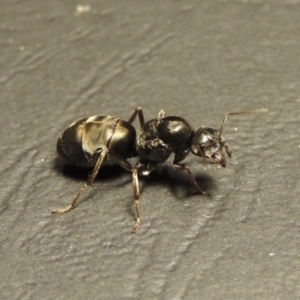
point(196, 59)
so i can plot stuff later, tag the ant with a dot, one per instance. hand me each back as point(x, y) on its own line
point(105, 140)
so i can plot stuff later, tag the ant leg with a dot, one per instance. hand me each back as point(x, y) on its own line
point(191, 177)
point(138, 111)
point(87, 184)
point(135, 183)
point(121, 161)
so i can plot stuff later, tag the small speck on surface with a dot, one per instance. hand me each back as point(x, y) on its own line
point(80, 9)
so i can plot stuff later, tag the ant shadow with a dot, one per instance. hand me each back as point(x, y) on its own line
point(177, 181)
point(163, 175)
point(106, 173)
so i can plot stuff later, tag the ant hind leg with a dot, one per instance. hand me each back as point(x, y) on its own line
point(86, 184)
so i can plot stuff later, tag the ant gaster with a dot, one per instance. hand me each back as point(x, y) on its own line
point(102, 140)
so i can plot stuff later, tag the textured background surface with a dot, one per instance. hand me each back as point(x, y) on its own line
point(197, 59)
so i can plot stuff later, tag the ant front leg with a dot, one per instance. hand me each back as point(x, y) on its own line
point(191, 177)
point(86, 185)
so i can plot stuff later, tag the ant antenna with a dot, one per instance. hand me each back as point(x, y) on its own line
point(255, 111)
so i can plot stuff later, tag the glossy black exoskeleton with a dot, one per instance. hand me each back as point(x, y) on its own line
point(164, 136)
point(97, 141)
point(100, 140)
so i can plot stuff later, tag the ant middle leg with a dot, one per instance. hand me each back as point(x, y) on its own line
point(135, 183)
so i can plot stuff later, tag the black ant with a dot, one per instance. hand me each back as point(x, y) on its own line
point(104, 140)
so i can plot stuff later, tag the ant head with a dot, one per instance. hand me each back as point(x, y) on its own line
point(208, 142)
